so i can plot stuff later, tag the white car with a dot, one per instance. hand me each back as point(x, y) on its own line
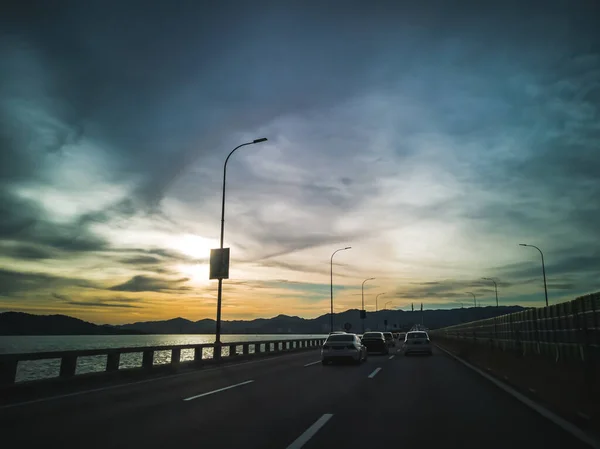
point(340, 347)
point(417, 341)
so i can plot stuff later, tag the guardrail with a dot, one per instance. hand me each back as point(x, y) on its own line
point(9, 363)
point(570, 330)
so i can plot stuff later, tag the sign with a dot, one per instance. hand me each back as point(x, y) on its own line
point(347, 326)
point(219, 263)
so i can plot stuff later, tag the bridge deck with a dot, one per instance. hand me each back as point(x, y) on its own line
point(410, 402)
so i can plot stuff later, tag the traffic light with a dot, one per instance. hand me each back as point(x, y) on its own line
point(385, 322)
point(363, 314)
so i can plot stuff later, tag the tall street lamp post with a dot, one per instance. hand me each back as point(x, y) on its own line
point(543, 269)
point(474, 299)
point(220, 288)
point(363, 302)
point(331, 284)
point(376, 298)
point(495, 287)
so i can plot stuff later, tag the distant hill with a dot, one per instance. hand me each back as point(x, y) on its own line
point(19, 323)
point(296, 325)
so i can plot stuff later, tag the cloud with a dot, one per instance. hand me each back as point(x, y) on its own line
point(141, 260)
point(32, 252)
point(119, 302)
point(425, 138)
point(19, 283)
point(151, 284)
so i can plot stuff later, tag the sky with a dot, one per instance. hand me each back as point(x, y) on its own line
point(432, 137)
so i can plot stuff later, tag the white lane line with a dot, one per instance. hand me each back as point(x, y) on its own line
point(391, 357)
point(374, 373)
point(560, 422)
point(312, 363)
point(310, 432)
point(194, 372)
point(219, 390)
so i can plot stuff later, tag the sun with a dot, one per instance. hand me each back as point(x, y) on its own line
point(198, 274)
point(195, 246)
point(198, 248)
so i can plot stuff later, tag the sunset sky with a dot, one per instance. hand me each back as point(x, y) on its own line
point(433, 139)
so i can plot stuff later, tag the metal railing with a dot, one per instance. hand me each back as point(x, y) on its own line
point(570, 330)
point(202, 353)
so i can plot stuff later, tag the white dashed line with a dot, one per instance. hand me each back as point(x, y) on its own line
point(139, 382)
point(312, 363)
point(374, 373)
point(391, 357)
point(310, 432)
point(219, 390)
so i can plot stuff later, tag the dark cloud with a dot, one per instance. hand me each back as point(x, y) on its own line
point(104, 304)
point(30, 252)
point(124, 303)
point(25, 222)
point(301, 268)
point(142, 283)
point(16, 283)
point(141, 260)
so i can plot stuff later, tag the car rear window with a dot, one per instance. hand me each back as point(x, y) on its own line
point(374, 335)
point(341, 338)
point(416, 335)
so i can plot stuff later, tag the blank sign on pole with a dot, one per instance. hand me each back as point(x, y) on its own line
point(219, 263)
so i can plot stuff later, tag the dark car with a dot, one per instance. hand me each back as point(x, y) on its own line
point(389, 338)
point(375, 342)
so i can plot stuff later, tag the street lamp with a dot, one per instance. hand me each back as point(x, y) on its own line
point(543, 269)
point(331, 283)
point(474, 300)
point(495, 286)
point(220, 290)
point(363, 302)
point(376, 298)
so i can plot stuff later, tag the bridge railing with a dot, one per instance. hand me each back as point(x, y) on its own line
point(570, 330)
point(201, 353)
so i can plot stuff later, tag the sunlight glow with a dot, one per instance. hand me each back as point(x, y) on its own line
point(198, 273)
point(194, 246)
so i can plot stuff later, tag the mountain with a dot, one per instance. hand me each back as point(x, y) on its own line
point(19, 323)
point(397, 319)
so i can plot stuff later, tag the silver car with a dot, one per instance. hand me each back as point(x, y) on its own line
point(417, 341)
point(343, 347)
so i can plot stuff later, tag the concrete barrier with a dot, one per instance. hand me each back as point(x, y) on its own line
point(9, 363)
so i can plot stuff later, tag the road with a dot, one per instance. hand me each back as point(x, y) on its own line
point(283, 402)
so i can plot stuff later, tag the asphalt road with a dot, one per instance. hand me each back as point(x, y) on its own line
point(280, 403)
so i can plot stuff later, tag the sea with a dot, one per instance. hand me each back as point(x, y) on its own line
point(40, 369)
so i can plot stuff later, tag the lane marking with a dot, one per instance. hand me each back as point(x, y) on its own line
point(310, 432)
point(154, 379)
point(312, 363)
point(391, 357)
point(560, 422)
point(219, 390)
point(374, 373)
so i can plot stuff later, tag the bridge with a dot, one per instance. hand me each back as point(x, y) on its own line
point(273, 395)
